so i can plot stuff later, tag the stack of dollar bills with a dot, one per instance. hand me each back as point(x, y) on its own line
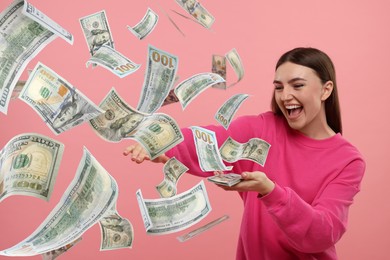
point(229, 179)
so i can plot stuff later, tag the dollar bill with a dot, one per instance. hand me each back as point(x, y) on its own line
point(119, 119)
point(173, 170)
point(207, 150)
point(114, 61)
point(160, 75)
point(228, 179)
point(171, 98)
point(21, 39)
point(57, 102)
point(218, 66)
point(255, 150)
point(227, 111)
point(190, 88)
point(202, 229)
point(29, 165)
point(51, 255)
point(18, 88)
point(158, 133)
point(235, 61)
point(36, 15)
point(168, 215)
point(145, 26)
point(197, 11)
point(96, 31)
point(117, 232)
point(92, 192)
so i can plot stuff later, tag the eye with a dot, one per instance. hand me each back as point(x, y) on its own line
point(298, 85)
point(278, 87)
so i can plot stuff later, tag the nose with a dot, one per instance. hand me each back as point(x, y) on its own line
point(286, 94)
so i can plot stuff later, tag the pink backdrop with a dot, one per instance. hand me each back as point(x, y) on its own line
point(354, 33)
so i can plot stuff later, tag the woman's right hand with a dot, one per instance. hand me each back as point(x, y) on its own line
point(139, 154)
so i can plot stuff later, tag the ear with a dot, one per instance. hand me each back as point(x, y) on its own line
point(327, 89)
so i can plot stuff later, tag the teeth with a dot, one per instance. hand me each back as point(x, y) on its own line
point(292, 106)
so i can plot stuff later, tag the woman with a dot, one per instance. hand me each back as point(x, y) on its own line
point(296, 206)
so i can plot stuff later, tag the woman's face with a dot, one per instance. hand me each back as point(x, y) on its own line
point(299, 94)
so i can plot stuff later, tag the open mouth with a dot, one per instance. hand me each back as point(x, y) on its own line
point(294, 110)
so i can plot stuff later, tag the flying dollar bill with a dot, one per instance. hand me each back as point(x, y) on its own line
point(168, 215)
point(198, 12)
point(119, 119)
point(227, 111)
point(145, 26)
point(57, 102)
point(96, 31)
point(160, 75)
point(91, 194)
point(207, 150)
point(38, 16)
point(218, 66)
point(235, 61)
point(190, 88)
point(114, 61)
point(173, 170)
point(202, 229)
point(24, 32)
point(51, 255)
point(117, 232)
point(29, 165)
point(18, 88)
point(157, 133)
point(255, 150)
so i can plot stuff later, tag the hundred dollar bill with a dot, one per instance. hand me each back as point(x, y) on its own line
point(57, 102)
point(255, 150)
point(117, 232)
point(168, 215)
point(173, 170)
point(159, 78)
point(36, 15)
point(219, 67)
point(21, 39)
point(190, 88)
point(235, 61)
point(29, 165)
point(92, 192)
point(157, 134)
point(145, 26)
point(202, 229)
point(51, 255)
point(228, 179)
point(197, 11)
point(18, 88)
point(119, 120)
point(171, 98)
point(114, 61)
point(96, 31)
point(227, 111)
point(207, 150)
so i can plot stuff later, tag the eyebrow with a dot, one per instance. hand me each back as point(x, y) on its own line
point(290, 81)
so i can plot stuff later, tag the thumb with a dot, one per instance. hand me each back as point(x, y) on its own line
point(247, 175)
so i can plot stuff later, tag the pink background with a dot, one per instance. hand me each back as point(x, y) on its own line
point(355, 35)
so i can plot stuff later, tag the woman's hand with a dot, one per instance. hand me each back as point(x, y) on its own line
point(252, 181)
point(139, 154)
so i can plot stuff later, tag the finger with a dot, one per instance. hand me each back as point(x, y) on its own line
point(128, 150)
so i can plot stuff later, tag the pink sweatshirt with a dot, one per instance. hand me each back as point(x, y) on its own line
point(316, 181)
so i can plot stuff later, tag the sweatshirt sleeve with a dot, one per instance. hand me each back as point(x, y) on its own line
point(185, 152)
point(312, 228)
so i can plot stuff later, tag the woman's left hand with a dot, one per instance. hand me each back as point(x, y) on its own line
point(252, 181)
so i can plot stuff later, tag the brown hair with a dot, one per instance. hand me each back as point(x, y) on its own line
point(323, 66)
